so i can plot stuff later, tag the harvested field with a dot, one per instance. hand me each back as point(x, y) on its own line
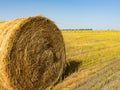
point(98, 56)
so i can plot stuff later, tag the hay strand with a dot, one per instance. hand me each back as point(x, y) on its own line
point(32, 53)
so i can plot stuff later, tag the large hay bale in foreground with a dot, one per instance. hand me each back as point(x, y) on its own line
point(32, 53)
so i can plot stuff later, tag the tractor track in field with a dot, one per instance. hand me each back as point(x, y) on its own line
point(103, 79)
point(100, 49)
point(112, 84)
point(94, 50)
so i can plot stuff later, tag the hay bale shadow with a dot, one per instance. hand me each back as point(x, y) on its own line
point(71, 67)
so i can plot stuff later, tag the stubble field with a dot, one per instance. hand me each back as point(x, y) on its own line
point(93, 61)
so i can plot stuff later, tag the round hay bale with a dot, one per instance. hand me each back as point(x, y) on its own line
point(32, 53)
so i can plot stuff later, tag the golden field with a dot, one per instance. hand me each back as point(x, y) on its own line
point(93, 60)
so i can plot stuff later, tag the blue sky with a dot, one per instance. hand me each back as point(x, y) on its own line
point(96, 14)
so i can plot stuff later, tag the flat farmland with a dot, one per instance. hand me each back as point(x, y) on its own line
point(93, 60)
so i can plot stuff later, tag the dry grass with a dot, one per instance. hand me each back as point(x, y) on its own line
point(32, 53)
point(97, 54)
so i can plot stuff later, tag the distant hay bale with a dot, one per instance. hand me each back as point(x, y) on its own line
point(32, 53)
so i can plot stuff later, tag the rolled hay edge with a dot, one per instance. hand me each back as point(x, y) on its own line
point(32, 53)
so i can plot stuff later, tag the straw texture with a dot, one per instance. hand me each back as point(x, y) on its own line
point(32, 53)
